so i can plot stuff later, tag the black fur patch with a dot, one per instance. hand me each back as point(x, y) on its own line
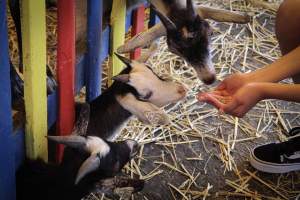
point(195, 48)
point(106, 113)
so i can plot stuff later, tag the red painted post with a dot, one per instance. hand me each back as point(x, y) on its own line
point(65, 69)
point(137, 27)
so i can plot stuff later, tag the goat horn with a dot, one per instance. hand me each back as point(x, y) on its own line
point(165, 20)
point(74, 141)
point(89, 165)
point(148, 53)
point(124, 78)
point(125, 60)
point(81, 124)
point(190, 8)
point(143, 39)
point(221, 15)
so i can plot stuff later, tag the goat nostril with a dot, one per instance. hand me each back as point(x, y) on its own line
point(181, 90)
point(210, 80)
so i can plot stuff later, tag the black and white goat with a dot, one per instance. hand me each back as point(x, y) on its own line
point(69, 180)
point(138, 91)
point(187, 31)
point(89, 155)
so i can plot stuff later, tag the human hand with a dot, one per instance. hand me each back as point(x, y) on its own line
point(233, 82)
point(224, 91)
point(236, 102)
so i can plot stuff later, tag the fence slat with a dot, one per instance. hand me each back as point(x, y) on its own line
point(34, 60)
point(94, 43)
point(153, 19)
point(65, 69)
point(7, 162)
point(137, 27)
point(118, 18)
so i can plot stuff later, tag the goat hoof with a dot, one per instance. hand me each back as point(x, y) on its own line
point(156, 118)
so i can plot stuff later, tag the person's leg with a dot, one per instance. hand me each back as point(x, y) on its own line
point(288, 28)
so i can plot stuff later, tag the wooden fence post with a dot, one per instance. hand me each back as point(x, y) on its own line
point(7, 158)
point(153, 19)
point(118, 19)
point(94, 39)
point(137, 27)
point(65, 69)
point(34, 60)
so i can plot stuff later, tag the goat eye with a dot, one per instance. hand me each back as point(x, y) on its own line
point(146, 97)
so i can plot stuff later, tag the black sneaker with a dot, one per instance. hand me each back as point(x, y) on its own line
point(280, 157)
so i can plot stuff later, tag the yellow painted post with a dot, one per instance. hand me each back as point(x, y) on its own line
point(33, 14)
point(118, 20)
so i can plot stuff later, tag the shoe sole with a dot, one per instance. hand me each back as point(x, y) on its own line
point(272, 167)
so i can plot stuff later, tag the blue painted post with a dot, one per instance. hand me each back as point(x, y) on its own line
point(94, 37)
point(7, 160)
point(153, 19)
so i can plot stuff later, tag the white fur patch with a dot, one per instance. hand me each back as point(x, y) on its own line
point(97, 145)
point(117, 132)
point(131, 143)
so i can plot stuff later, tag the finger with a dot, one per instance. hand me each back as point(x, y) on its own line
point(219, 92)
point(208, 98)
point(212, 98)
point(223, 99)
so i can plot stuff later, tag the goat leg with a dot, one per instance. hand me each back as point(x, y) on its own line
point(143, 39)
point(145, 111)
point(221, 15)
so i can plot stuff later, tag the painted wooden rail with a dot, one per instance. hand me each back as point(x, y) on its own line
point(65, 69)
point(34, 60)
point(153, 18)
point(117, 20)
point(7, 162)
point(137, 27)
point(94, 44)
point(42, 111)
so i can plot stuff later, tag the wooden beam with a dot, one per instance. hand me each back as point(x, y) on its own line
point(65, 69)
point(138, 18)
point(34, 61)
point(118, 18)
point(7, 159)
point(94, 46)
point(153, 19)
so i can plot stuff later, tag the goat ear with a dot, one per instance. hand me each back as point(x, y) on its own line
point(91, 164)
point(74, 141)
point(170, 26)
point(191, 8)
point(125, 60)
point(124, 78)
point(82, 122)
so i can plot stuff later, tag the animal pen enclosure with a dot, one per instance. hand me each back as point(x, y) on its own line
point(201, 154)
point(72, 74)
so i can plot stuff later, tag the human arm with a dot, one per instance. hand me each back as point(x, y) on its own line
point(285, 67)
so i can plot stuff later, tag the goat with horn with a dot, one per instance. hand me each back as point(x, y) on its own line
point(87, 160)
point(187, 31)
point(92, 153)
